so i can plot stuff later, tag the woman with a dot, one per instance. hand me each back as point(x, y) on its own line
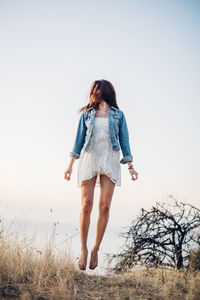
point(102, 131)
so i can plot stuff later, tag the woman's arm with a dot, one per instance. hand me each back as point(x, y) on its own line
point(72, 162)
point(124, 141)
point(78, 144)
point(80, 137)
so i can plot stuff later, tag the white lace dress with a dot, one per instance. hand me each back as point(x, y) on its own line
point(99, 158)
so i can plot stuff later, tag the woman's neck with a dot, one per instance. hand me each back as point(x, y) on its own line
point(103, 106)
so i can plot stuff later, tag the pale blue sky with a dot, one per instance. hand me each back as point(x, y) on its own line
point(51, 52)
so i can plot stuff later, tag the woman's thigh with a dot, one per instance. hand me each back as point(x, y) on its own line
point(107, 187)
point(87, 191)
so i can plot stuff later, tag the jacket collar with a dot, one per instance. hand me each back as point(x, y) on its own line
point(92, 108)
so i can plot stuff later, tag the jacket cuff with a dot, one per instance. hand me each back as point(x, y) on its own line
point(127, 158)
point(71, 154)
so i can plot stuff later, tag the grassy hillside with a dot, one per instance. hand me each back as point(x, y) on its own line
point(29, 273)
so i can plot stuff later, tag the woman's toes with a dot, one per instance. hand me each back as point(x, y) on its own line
point(93, 260)
point(83, 260)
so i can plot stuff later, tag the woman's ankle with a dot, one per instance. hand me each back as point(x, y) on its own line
point(95, 249)
point(84, 249)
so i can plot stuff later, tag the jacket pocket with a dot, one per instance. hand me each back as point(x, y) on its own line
point(117, 117)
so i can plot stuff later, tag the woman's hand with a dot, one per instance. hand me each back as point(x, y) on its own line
point(68, 173)
point(133, 173)
point(69, 169)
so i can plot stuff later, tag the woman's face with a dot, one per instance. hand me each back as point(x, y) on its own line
point(97, 92)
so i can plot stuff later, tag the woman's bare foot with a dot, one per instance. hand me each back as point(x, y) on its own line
point(83, 260)
point(93, 259)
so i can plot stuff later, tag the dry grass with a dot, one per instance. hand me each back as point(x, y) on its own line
point(27, 273)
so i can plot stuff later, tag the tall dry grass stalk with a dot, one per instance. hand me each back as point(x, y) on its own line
point(27, 272)
point(25, 267)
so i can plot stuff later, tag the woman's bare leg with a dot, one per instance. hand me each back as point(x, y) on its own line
point(87, 196)
point(106, 193)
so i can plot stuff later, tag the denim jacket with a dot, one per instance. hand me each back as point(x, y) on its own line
point(117, 128)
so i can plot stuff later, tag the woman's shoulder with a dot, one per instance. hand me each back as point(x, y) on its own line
point(85, 112)
point(118, 111)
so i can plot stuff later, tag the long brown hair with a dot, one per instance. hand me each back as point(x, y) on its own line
point(101, 89)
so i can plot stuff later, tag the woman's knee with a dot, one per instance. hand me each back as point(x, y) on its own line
point(104, 209)
point(87, 206)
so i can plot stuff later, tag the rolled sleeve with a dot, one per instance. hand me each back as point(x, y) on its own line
point(74, 154)
point(127, 158)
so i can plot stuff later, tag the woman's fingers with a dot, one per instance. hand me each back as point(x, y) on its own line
point(134, 175)
point(67, 174)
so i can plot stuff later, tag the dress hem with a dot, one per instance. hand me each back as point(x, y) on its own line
point(97, 183)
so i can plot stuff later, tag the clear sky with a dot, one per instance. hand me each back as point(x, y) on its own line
point(51, 52)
